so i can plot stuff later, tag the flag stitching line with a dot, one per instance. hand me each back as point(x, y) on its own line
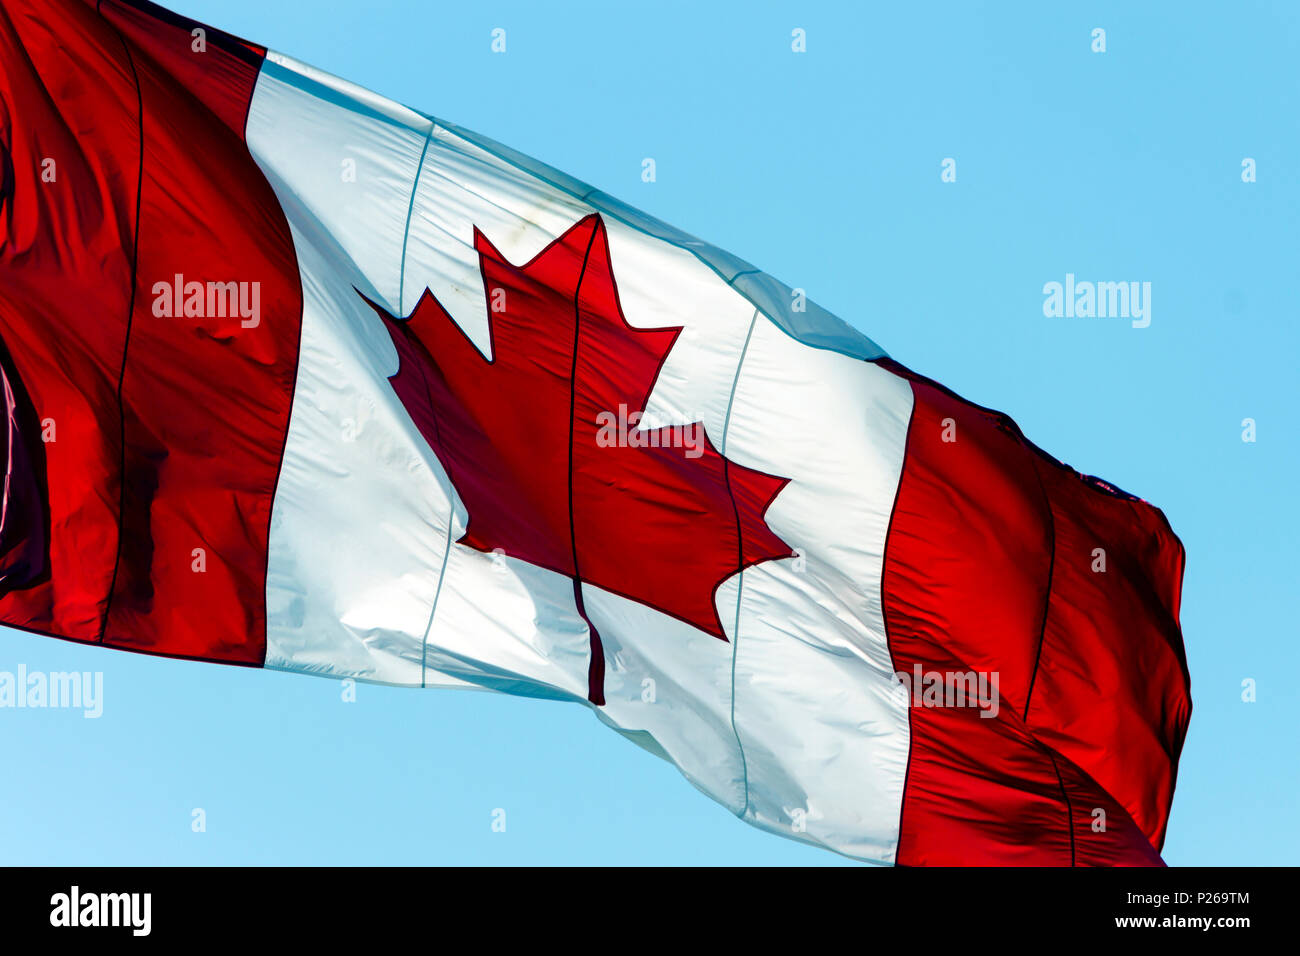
point(130, 312)
point(406, 232)
point(740, 583)
point(596, 663)
point(1047, 598)
point(451, 503)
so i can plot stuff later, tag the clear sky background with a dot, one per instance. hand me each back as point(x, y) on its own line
point(822, 168)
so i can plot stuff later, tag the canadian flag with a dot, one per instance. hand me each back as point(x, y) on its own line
point(299, 378)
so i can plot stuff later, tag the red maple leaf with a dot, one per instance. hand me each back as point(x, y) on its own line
point(661, 518)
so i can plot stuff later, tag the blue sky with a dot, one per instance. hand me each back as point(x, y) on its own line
point(824, 169)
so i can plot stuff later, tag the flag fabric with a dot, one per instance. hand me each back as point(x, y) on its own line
point(299, 378)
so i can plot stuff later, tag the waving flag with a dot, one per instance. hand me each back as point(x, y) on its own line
point(300, 378)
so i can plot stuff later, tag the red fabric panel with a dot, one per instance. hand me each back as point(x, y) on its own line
point(988, 568)
point(1112, 666)
point(70, 138)
point(184, 417)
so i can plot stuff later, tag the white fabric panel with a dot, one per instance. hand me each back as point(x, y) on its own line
point(824, 731)
point(790, 723)
point(362, 503)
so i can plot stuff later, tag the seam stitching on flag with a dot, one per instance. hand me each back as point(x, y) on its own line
point(740, 547)
point(446, 551)
point(406, 233)
point(1069, 809)
point(596, 663)
point(1047, 600)
point(442, 575)
point(451, 501)
point(1042, 634)
point(130, 312)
